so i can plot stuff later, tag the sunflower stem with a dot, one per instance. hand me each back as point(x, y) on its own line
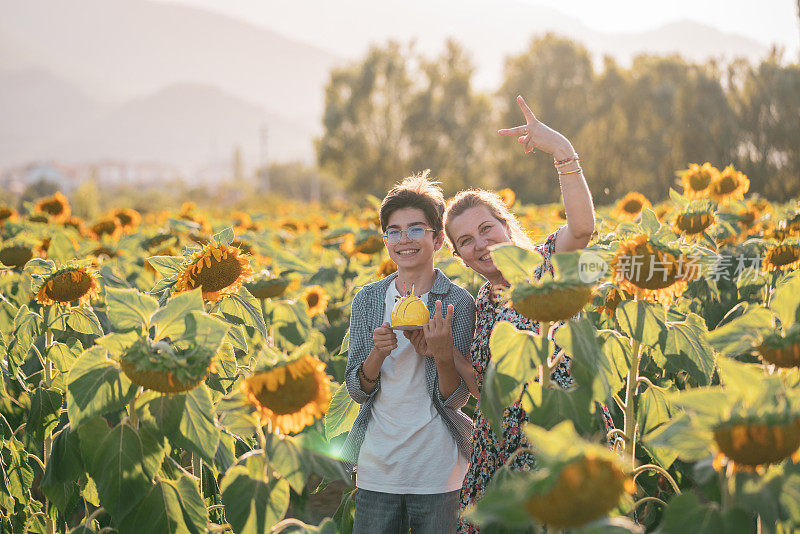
point(544, 368)
point(642, 468)
point(197, 470)
point(630, 425)
point(50, 526)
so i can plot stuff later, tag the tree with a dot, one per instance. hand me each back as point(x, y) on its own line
point(555, 76)
point(365, 142)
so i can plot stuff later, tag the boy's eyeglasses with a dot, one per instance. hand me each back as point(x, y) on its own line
point(414, 233)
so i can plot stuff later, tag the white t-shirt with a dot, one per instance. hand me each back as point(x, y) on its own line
point(407, 447)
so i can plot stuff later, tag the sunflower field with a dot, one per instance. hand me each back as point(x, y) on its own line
point(183, 371)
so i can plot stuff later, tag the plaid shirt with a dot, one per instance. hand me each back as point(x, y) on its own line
point(367, 313)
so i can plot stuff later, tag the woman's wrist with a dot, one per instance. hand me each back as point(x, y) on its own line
point(563, 152)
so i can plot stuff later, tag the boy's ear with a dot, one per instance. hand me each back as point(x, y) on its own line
point(438, 241)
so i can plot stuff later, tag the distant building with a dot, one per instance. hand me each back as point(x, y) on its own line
point(16, 179)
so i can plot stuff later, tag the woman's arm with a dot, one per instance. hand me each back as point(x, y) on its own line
point(574, 190)
point(467, 373)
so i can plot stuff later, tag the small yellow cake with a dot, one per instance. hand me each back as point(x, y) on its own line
point(410, 311)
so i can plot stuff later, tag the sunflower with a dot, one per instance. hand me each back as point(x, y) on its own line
point(508, 196)
point(782, 350)
point(785, 255)
point(649, 271)
point(265, 286)
point(757, 443)
point(612, 299)
point(551, 301)
point(586, 489)
point(370, 244)
point(693, 223)
point(290, 396)
point(7, 214)
point(56, 207)
point(187, 214)
point(16, 256)
point(387, 267)
point(316, 299)
point(108, 226)
point(219, 270)
point(161, 366)
point(630, 206)
point(39, 218)
point(728, 185)
point(241, 222)
point(77, 224)
point(697, 179)
point(68, 285)
point(128, 218)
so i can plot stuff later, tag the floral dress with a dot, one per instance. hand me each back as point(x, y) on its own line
point(488, 452)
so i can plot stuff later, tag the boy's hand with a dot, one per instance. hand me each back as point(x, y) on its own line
point(417, 338)
point(384, 340)
point(439, 332)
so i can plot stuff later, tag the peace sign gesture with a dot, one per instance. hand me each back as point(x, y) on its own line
point(536, 134)
point(439, 333)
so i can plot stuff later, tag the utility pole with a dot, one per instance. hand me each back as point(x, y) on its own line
point(264, 163)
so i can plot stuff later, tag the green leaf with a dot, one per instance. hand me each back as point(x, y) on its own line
point(18, 475)
point(170, 506)
point(128, 308)
point(290, 323)
point(243, 308)
point(786, 299)
point(743, 333)
point(579, 339)
point(122, 461)
point(197, 430)
point(678, 438)
point(516, 263)
point(649, 222)
point(225, 237)
point(44, 412)
point(169, 320)
point(27, 326)
point(61, 248)
point(319, 458)
point(498, 392)
point(63, 468)
point(617, 349)
point(118, 342)
point(642, 321)
point(742, 380)
point(165, 411)
point(252, 504)
point(286, 457)
point(685, 513)
point(518, 353)
point(84, 320)
point(62, 355)
point(205, 330)
point(166, 265)
point(559, 405)
point(96, 386)
point(688, 349)
point(341, 414)
point(653, 409)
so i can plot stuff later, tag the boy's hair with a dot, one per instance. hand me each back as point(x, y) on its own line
point(416, 191)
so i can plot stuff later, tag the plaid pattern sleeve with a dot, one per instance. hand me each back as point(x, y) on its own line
point(360, 334)
point(463, 329)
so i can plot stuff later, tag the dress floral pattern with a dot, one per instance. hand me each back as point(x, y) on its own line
point(488, 452)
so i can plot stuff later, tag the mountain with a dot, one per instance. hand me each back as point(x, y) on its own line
point(134, 47)
point(491, 30)
point(37, 109)
point(185, 124)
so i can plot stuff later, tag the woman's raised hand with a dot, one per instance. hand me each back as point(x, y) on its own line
point(536, 134)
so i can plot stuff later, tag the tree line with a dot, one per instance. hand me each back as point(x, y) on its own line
point(396, 112)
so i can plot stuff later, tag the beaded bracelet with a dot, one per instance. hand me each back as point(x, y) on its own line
point(363, 375)
point(574, 157)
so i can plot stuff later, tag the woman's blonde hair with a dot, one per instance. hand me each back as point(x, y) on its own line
point(473, 198)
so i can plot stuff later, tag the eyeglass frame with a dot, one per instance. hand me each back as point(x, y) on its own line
point(401, 232)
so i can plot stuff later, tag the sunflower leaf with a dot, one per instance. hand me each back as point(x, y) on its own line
point(169, 319)
point(85, 321)
point(128, 308)
point(786, 300)
point(341, 414)
point(252, 504)
point(242, 308)
point(225, 237)
point(166, 265)
point(95, 386)
point(169, 506)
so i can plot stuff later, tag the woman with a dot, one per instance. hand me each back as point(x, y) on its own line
point(475, 220)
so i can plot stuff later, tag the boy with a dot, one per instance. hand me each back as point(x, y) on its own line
point(410, 440)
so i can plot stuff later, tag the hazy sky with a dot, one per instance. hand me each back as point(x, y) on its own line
point(767, 21)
